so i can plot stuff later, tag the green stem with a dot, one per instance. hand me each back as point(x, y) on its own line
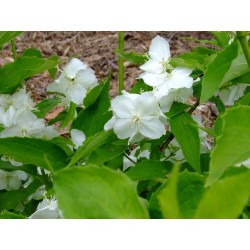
point(242, 37)
point(120, 61)
point(13, 47)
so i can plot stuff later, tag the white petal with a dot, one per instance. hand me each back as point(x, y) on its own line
point(45, 214)
point(9, 117)
point(152, 66)
point(146, 105)
point(77, 137)
point(60, 85)
point(110, 124)
point(180, 78)
point(49, 132)
point(11, 132)
point(153, 79)
point(86, 78)
point(14, 183)
point(231, 94)
point(159, 49)
point(76, 93)
point(123, 106)
point(73, 67)
point(127, 163)
point(152, 129)
point(124, 128)
point(136, 137)
point(21, 175)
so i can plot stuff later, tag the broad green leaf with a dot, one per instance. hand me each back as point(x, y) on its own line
point(6, 36)
point(190, 191)
point(92, 95)
point(34, 151)
point(149, 169)
point(232, 146)
point(177, 108)
point(70, 115)
point(132, 57)
point(242, 79)
point(13, 73)
point(32, 52)
point(10, 215)
point(245, 100)
point(61, 116)
point(167, 197)
point(64, 143)
point(222, 38)
point(228, 64)
point(105, 153)
point(97, 193)
point(91, 144)
point(226, 198)
point(140, 87)
point(92, 119)
point(11, 199)
point(186, 133)
point(44, 106)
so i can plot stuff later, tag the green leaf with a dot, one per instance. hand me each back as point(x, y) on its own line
point(97, 192)
point(70, 115)
point(167, 197)
point(245, 100)
point(190, 192)
point(11, 199)
point(64, 144)
point(32, 52)
point(13, 73)
point(105, 153)
point(132, 57)
point(140, 87)
point(92, 119)
point(149, 169)
point(91, 144)
point(242, 79)
point(226, 198)
point(186, 133)
point(219, 103)
point(177, 108)
point(44, 106)
point(232, 146)
point(34, 151)
point(10, 215)
point(228, 64)
point(6, 36)
point(222, 38)
point(92, 95)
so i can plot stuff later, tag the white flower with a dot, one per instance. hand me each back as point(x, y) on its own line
point(136, 116)
point(12, 180)
point(26, 124)
point(75, 81)
point(77, 137)
point(47, 209)
point(174, 95)
point(231, 94)
point(11, 160)
point(159, 54)
point(245, 163)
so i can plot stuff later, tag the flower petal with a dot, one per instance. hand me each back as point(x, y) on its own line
point(152, 129)
point(110, 124)
point(76, 93)
point(152, 66)
point(86, 78)
point(153, 79)
point(159, 49)
point(180, 78)
point(73, 67)
point(124, 128)
point(77, 137)
point(123, 106)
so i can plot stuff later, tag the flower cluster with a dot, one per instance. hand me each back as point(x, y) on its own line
point(75, 81)
point(138, 116)
point(169, 84)
point(17, 118)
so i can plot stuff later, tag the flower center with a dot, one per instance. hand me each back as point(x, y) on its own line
point(136, 119)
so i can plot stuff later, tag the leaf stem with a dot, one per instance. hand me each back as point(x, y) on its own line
point(242, 37)
point(13, 48)
point(120, 61)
